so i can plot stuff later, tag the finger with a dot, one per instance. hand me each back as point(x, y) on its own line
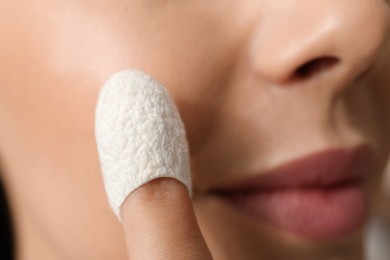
point(159, 223)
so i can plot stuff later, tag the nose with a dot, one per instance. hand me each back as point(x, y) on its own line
point(303, 39)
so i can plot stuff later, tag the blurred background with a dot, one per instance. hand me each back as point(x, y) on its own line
point(6, 238)
point(378, 242)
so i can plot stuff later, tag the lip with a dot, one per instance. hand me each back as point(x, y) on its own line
point(319, 196)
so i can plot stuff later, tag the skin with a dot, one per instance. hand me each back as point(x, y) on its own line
point(232, 69)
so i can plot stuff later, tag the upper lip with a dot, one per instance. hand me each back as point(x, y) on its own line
point(324, 169)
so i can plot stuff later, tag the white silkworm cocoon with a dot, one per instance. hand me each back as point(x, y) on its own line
point(139, 135)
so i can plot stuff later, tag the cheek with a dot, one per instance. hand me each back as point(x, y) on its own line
point(49, 94)
point(48, 101)
point(71, 58)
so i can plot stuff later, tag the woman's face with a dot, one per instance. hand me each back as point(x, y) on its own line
point(258, 84)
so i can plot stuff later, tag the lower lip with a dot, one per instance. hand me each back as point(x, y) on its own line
point(314, 213)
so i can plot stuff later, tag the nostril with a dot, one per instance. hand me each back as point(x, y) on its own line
point(314, 67)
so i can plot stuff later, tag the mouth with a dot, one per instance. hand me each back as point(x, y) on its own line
point(320, 196)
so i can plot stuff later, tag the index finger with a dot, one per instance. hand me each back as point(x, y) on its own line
point(159, 223)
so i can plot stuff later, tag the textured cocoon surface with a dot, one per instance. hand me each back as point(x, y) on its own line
point(139, 135)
